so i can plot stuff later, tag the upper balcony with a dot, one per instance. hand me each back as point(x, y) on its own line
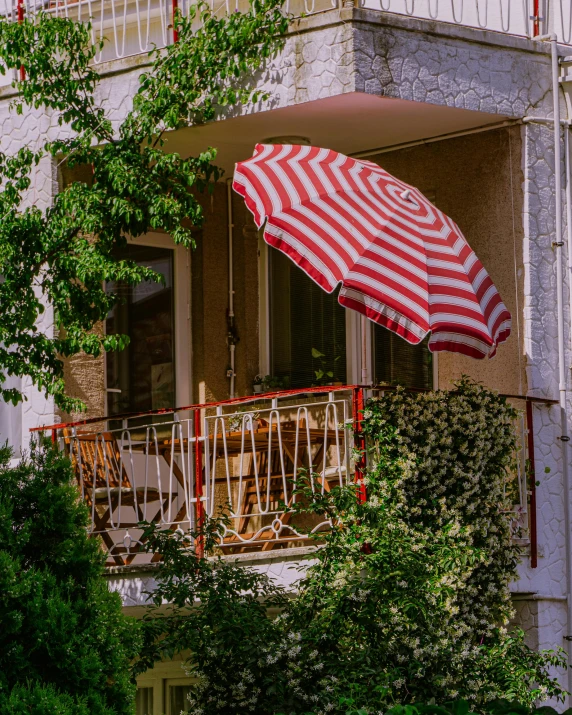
point(133, 27)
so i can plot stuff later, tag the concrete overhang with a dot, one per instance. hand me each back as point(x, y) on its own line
point(351, 123)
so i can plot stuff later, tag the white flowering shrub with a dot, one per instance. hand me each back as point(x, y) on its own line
point(457, 450)
point(407, 601)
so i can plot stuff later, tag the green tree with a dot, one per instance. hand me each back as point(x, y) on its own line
point(63, 256)
point(65, 646)
point(218, 610)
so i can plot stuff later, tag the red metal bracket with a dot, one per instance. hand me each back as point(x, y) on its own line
point(199, 507)
point(175, 32)
point(20, 21)
point(536, 18)
point(531, 487)
point(359, 441)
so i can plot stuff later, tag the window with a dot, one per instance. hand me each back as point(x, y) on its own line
point(142, 377)
point(177, 694)
point(144, 701)
point(162, 690)
point(395, 361)
point(303, 317)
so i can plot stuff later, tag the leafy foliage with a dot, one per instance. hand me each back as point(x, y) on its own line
point(324, 376)
point(462, 707)
point(65, 646)
point(219, 611)
point(64, 255)
point(407, 600)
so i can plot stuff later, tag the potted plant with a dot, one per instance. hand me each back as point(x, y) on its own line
point(323, 375)
point(257, 384)
point(270, 383)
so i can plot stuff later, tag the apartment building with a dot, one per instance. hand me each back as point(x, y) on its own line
point(456, 98)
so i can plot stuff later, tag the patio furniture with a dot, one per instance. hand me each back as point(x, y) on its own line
point(107, 488)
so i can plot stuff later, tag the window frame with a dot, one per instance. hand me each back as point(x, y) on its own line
point(160, 678)
point(181, 310)
point(354, 329)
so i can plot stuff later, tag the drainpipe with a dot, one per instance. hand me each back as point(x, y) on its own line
point(565, 437)
point(568, 213)
point(558, 246)
point(231, 335)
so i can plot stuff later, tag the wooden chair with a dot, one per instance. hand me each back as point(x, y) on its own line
point(107, 488)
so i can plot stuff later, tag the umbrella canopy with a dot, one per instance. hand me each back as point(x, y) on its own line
point(400, 261)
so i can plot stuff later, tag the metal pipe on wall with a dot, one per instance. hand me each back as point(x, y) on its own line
point(568, 187)
point(364, 326)
point(558, 245)
point(231, 337)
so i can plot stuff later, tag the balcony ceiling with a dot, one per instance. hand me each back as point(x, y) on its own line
point(349, 123)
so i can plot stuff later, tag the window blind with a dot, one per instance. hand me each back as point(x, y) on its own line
point(303, 317)
point(397, 362)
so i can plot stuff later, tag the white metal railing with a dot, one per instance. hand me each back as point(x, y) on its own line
point(244, 460)
point(515, 17)
point(132, 27)
point(508, 16)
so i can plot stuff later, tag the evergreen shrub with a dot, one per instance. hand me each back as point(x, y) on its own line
point(65, 645)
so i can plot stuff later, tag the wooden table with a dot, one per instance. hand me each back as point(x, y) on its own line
point(271, 457)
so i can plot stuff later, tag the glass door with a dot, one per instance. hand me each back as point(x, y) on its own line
point(142, 376)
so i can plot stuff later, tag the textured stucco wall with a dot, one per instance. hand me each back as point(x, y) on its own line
point(15, 132)
point(210, 299)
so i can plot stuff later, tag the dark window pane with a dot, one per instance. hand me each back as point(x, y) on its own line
point(398, 362)
point(144, 701)
point(142, 377)
point(178, 699)
point(302, 317)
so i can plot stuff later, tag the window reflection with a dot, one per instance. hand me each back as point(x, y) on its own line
point(142, 377)
point(304, 317)
point(397, 362)
point(179, 699)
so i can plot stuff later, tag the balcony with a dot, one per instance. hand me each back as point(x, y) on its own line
point(243, 457)
point(132, 27)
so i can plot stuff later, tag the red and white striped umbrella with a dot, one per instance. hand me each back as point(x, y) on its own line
point(401, 262)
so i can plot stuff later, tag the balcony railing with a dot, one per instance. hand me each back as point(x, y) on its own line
point(243, 457)
point(132, 27)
